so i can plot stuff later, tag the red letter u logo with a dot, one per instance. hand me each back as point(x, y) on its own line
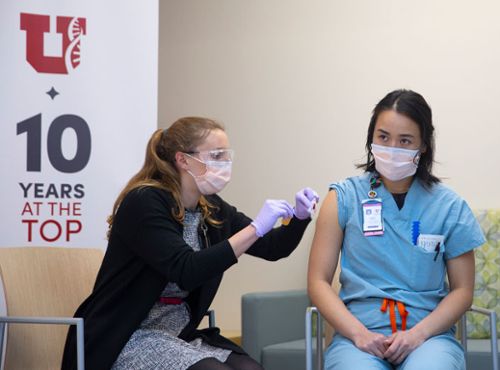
point(72, 29)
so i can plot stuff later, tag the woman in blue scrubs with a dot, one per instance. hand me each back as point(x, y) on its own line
point(400, 232)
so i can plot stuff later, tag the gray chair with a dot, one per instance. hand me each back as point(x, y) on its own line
point(273, 328)
point(478, 353)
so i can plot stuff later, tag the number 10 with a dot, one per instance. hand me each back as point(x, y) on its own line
point(33, 128)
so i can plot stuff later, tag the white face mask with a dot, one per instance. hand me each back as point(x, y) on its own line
point(395, 163)
point(215, 178)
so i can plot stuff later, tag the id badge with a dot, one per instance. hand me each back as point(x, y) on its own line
point(373, 222)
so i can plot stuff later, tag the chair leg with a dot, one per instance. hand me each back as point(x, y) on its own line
point(309, 312)
point(2, 336)
point(80, 350)
point(463, 336)
point(494, 339)
point(319, 338)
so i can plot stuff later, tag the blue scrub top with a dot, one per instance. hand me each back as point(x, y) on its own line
point(391, 265)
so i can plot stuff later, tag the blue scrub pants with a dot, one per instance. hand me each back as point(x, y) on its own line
point(442, 352)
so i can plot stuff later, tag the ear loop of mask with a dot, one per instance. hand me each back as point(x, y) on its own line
point(199, 160)
point(418, 156)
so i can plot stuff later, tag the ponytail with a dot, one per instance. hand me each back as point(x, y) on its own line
point(160, 170)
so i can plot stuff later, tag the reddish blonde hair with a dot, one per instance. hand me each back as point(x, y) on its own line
point(160, 169)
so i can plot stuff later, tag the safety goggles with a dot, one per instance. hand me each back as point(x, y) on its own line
point(216, 155)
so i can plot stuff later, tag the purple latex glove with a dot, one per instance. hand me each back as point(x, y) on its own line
point(305, 203)
point(269, 214)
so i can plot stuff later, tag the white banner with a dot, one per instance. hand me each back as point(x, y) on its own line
point(78, 104)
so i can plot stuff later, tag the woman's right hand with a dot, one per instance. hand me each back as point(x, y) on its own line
point(371, 342)
point(269, 214)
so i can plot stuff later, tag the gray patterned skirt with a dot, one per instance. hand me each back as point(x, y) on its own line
point(155, 344)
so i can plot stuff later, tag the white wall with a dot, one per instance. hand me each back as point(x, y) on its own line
point(295, 82)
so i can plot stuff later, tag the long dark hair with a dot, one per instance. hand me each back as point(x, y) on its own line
point(414, 106)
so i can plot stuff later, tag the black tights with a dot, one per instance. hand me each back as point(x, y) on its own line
point(233, 362)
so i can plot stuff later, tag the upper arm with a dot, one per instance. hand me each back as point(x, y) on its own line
point(327, 242)
point(461, 271)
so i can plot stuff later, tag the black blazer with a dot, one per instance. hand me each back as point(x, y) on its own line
point(146, 250)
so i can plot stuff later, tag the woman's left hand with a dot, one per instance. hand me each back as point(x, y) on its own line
point(305, 201)
point(400, 345)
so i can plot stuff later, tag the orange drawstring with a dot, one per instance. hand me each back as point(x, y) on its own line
point(403, 313)
point(392, 313)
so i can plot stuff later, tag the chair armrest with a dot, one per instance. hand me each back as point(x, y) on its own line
point(270, 318)
point(319, 338)
point(51, 321)
point(493, 332)
point(211, 318)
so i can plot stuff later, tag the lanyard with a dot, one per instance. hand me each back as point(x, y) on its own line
point(375, 182)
